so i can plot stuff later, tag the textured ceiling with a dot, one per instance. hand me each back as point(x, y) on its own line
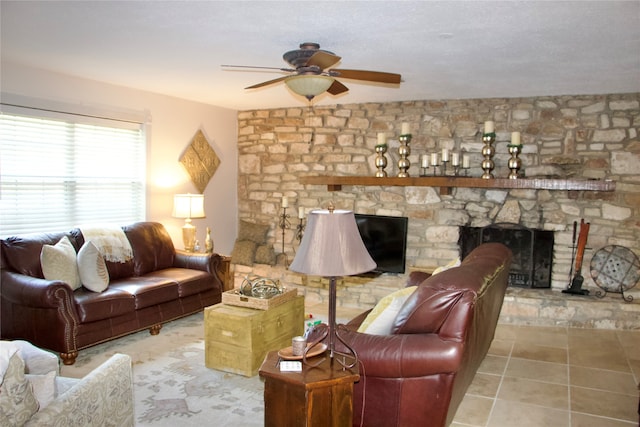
point(444, 50)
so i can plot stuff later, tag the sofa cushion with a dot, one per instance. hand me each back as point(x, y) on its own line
point(244, 252)
point(190, 282)
point(148, 290)
point(111, 303)
point(380, 320)
point(17, 401)
point(59, 262)
point(425, 310)
point(265, 254)
point(44, 388)
point(92, 268)
point(253, 232)
point(116, 270)
point(22, 253)
point(152, 247)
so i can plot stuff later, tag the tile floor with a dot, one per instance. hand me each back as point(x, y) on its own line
point(555, 377)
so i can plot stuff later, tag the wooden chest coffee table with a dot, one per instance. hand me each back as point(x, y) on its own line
point(238, 338)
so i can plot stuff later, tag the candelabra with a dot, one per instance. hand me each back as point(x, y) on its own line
point(381, 160)
point(300, 230)
point(514, 162)
point(284, 225)
point(404, 150)
point(488, 151)
point(443, 170)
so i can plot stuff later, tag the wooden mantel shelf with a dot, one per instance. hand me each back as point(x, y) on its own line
point(335, 183)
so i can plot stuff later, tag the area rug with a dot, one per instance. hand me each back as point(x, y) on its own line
point(172, 386)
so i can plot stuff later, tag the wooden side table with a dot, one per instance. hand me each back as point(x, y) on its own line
point(317, 396)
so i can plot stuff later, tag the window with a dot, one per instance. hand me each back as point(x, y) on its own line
point(62, 170)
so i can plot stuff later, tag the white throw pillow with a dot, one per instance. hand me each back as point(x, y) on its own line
point(17, 402)
point(380, 320)
point(44, 387)
point(59, 263)
point(92, 268)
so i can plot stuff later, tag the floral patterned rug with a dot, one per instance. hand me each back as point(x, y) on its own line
point(172, 386)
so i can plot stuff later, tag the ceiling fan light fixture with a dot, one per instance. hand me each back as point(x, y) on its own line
point(309, 85)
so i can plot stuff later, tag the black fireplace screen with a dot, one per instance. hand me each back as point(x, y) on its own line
point(532, 251)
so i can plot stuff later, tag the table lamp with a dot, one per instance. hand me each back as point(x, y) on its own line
point(188, 206)
point(331, 247)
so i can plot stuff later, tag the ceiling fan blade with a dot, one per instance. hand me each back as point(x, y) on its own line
point(337, 88)
point(323, 59)
point(260, 68)
point(269, 82)
point(372, 76)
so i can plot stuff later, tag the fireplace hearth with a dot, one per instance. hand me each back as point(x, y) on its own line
point(532, 251)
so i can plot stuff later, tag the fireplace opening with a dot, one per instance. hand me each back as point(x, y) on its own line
point(532, 251)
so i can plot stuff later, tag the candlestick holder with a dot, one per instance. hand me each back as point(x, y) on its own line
point(423, 170)
point(404, 151)
point(488, 151)
point(443, 170)
point(381, 160)
point(514, 162)
point(456, 170)
point(284, 225)
point(300, 230)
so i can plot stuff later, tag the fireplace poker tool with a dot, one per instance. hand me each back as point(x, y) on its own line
point(576, 284)
point(573, 249)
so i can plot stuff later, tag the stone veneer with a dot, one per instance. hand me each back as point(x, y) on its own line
point(578, 137)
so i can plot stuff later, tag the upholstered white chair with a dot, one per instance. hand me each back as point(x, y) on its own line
point(33, 393)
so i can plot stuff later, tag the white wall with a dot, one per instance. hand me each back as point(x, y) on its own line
point(173, 123)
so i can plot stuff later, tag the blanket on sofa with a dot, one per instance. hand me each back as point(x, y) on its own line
point(110, 241)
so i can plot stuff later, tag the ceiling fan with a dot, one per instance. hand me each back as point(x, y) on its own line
point(312, 74)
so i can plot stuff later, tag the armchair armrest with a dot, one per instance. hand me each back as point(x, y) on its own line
point(32, 291)
point(36, 360)
point(103, 397)
point(404, 355)
point(215, 264)
point(196, 261)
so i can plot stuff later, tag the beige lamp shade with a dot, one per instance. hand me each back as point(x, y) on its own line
point(188, 206)
point(309, 85)
point(332, 246)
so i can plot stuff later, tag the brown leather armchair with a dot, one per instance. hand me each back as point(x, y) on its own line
point(418, 375)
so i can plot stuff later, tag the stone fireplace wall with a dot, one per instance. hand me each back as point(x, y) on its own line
point(579, 137)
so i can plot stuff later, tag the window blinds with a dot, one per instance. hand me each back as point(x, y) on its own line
point(61, 171)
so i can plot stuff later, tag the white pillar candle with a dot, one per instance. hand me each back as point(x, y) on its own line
point(489, 127)
point(382, 138)
point(465, 161)
point(425, 161)
point(434, 159)
point(445, 155)
point(515, 138)
point(301, 212)
point(285, 202)
point(455, 159)
point(405, 129)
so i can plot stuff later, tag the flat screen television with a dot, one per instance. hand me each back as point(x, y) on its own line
point(386, 240)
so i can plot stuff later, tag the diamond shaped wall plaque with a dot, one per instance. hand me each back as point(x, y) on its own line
point(200, 161)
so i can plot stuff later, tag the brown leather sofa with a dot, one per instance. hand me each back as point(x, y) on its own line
point(418, 375)
point(157, 285)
